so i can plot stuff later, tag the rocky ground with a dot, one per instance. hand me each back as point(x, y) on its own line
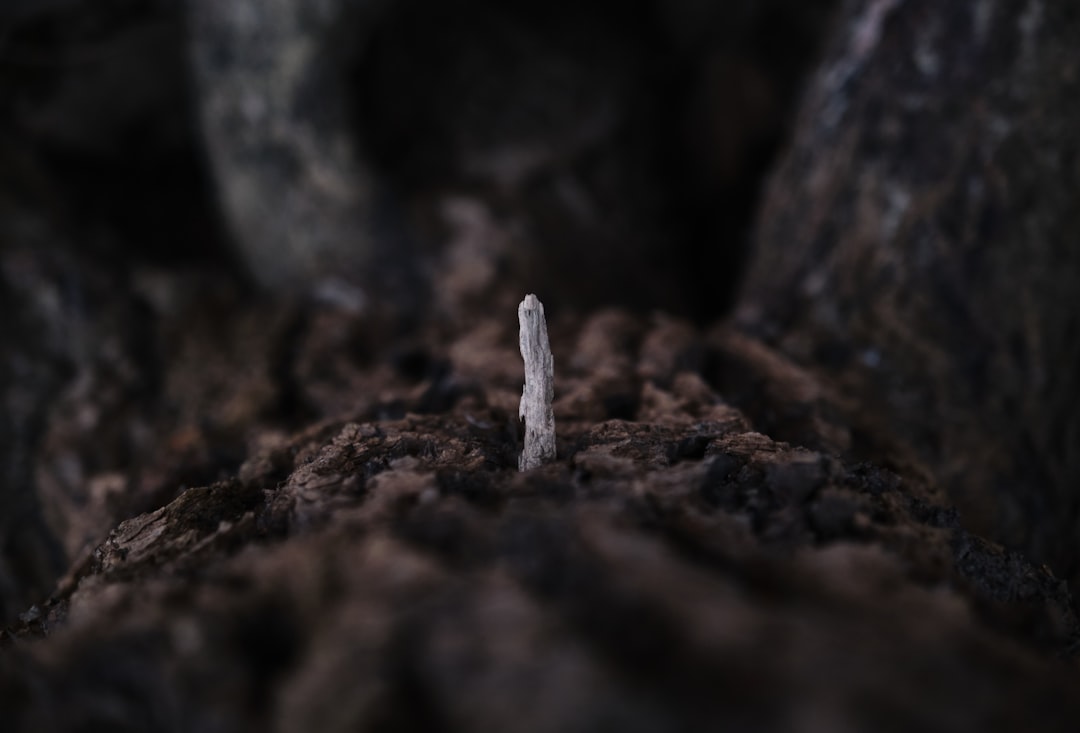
point(674, 569)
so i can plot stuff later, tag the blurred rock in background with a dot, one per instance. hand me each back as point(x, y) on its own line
point(917, 246)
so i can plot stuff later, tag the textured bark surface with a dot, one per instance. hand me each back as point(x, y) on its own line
point(300, 509)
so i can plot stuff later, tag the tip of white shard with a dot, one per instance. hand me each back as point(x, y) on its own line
point(531, 302)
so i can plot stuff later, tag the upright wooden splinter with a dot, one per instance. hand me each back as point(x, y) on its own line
point(539, 389)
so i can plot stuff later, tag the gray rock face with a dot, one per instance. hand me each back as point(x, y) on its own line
point(270, 88)
point(917, 245)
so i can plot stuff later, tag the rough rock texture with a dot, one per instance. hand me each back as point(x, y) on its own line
point(299, 509)
point(917, 247)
